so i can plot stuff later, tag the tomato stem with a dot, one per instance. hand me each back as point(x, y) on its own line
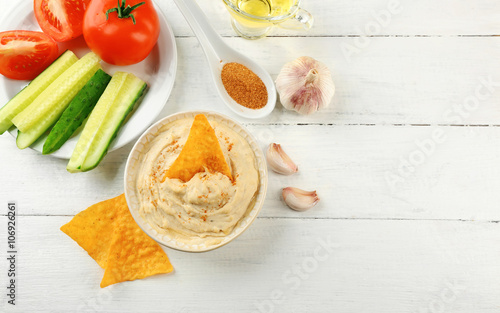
point(124, 11)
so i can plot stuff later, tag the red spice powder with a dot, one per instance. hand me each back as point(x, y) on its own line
point(244, 86)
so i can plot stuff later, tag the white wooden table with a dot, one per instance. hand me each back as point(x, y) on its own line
point(406, 161)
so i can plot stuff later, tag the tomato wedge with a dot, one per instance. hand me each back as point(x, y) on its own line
point(61, 19)
point(25, 54)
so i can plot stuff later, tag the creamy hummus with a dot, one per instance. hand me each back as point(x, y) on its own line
point(210, 205)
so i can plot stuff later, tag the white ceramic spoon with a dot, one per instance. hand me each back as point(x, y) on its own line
point(218, 53)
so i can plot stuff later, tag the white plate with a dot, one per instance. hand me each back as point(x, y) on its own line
point(158, 70)
point(132, 167)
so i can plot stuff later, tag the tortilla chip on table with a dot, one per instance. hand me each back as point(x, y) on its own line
point(109, 234)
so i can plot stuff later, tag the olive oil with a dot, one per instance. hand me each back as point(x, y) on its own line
point(264, 8)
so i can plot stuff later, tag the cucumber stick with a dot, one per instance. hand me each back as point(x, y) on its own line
point(119, 98)
point(49, 105)
point(24, 98)
point(76, 112)
point(46, 109)
point(96, 118)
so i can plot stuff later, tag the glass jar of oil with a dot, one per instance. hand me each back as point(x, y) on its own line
point(253, 19)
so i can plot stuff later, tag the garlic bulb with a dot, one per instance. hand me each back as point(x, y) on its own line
point(305, 85)
point(298, 199)
point(279, 161)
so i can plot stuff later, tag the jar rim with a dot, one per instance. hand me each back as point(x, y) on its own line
point(293, 10)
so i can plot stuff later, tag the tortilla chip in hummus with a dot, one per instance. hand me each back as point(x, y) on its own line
point(201, 152)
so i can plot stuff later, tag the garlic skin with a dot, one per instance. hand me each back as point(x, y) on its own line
point(279, 161)
point(298, 199)
point(305, 85)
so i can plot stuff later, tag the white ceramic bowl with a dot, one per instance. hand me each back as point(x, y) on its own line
point(132, 166)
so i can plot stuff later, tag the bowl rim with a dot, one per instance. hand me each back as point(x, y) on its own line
point(240, 227)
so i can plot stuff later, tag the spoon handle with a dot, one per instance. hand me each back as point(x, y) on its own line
point(205, 33)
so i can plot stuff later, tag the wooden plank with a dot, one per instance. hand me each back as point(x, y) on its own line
point(311, 265)
point(359, 172)
point(393, 81)
point(375, 17)
point(358, 18)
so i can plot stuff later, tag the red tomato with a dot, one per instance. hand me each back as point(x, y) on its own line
point(61, 19)
point(121, 40)
point(25, 54)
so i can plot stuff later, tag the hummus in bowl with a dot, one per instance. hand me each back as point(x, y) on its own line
point(210, 209)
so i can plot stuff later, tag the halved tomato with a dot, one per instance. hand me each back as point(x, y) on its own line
point(25, 54)
point(61, 19)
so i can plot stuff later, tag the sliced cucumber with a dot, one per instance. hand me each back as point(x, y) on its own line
point(58, 98)
point(22, 140)
point(24, 98)
point(123, 92)
point(76, 112)
point(95, 120)
point(50, 104)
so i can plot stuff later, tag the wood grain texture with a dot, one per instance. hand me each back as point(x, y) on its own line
point(408, 211)
point(346, 266)
point(358, 17)
point(393, 81)
point(359, 172)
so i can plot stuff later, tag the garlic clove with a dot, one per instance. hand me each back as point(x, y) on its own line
point(305, 85)
point(298, 199)
point(279, 161)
